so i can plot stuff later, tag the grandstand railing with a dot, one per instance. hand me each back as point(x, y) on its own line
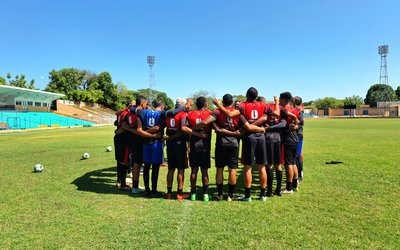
point(19, 121)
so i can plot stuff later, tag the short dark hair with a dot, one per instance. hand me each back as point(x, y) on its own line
point(157, 103)
point(227, 99)
point(140, 99)
point(298, 101)
point(261, 99)
point(286, 96)
point(128, 102)
point(252, 94)
point(201, 102)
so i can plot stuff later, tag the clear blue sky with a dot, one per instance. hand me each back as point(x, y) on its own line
point(312, 48)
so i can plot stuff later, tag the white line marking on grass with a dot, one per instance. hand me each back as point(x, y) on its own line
point(185, 217)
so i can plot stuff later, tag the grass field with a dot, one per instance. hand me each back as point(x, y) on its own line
point(74, 204)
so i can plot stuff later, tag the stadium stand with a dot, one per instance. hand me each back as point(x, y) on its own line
point(22, 108)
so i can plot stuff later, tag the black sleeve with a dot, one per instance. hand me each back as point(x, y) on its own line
point(171, 113)
point(215, 114)
point(275, 128)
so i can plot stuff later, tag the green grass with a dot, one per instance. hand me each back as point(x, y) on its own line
point(73, 203)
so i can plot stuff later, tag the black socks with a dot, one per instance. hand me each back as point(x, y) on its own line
point(219, 188)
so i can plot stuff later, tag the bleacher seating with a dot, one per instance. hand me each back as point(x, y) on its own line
point(26, 120)
point(92, 114)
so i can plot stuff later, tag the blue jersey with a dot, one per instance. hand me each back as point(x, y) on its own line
point(150, 118)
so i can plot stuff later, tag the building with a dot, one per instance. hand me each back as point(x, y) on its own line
point(388, 110)
point(16, 98)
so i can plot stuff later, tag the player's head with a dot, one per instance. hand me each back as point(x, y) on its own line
point(236, 104)
point(285, 98)
point(227, 100)
point(130, 103)
point(261, 99)
point(158, 104)
point(298, 101)
point(141, 101)
point(180, 102)
point(201, 102)
point(251, 94)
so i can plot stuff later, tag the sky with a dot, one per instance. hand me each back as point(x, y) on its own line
point(311, 48)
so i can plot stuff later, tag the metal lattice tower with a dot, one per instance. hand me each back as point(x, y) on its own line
point(383, 51)
point(152, 80)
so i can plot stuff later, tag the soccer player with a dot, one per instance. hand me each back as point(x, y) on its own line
point(273, 147)
point(227, 144)
point(133, 124)
point(299, 157)
point(121, 146)
point(153, 148)
point(290, 140)
point(254, 147)
point(200, 146)
point(176, 149)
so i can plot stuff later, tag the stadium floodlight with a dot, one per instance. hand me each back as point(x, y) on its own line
point(383, 50)
point(151, 60)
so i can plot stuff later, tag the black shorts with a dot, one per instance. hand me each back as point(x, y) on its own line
point(177, 157)
point(273, 153)
point(137, 150)
point(226, 156)
point(200, 159)
point(290, 152)
point(254, 150)
point(121, 145)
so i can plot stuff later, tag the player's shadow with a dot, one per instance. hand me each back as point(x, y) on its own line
point(100, 181)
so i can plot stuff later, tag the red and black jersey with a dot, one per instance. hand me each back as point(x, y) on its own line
point(253, 110)
point(174, 125)
point(133, 120)
point(223, 121)
point(197, 144)
point(231, 124)
point(121, 117)
point(197, 116)
point(289, 137)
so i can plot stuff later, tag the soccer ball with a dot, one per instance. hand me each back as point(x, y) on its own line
point(38, 168)
point(109, 149)
point(85, 156)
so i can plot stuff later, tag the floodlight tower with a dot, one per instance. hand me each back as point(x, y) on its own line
point(383, 51)
point(152, 82)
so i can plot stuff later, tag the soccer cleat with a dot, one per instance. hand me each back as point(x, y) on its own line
point(193, 197)
point(269, 194)
point(296, 189)
point(287, 192)
point(206, 197)
point(277, 193)
point(181, 197)
point(137, 190)
point(164, 164)
point(245, 199)
point(156, 194)
point(168, 196)
point(218, 197)
point(263, 198)
point(118, 184)
point(125, 188)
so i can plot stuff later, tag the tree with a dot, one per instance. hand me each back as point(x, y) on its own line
point(240, 98)
point(379, 93)
point(208, 95)
point(66, 81)
point(398, 93)
point(354, 100)
point(2, 81)
point(328, 102)
point(32, 84)
point(19, 81)
point(168, 102)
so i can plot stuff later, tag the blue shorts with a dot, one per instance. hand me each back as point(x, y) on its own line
point(153, 153)
point(299, 147)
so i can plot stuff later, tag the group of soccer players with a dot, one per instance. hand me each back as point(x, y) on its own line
point(271, 136)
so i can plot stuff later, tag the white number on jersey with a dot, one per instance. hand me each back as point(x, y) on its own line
point(198, 120)
point(254, 114)
point(230, 120)
point(151, 122)
point(172, 122)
